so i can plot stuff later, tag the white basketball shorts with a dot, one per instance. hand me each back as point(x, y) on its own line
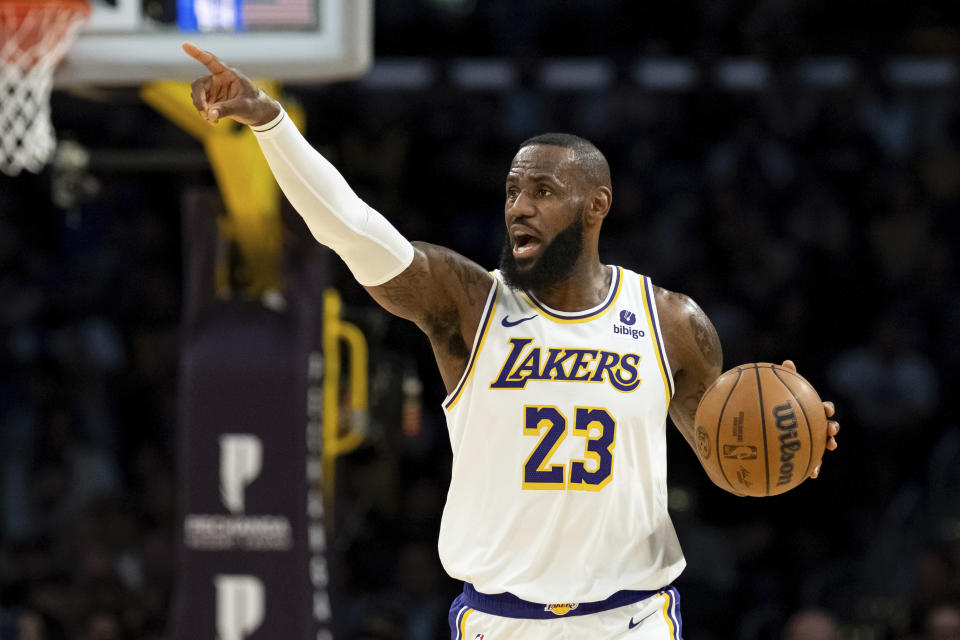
point(626, 615)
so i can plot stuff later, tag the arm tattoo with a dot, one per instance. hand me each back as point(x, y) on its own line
point(446, 324)
point(684, 409)
point(706, 336)
point(692, 401)
point(699, 358)
point(439, 292)
point(468, 277)
point(445, 332)
point(406, 290)
point(412, 290)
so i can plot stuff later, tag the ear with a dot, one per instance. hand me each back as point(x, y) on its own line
point(598, 204)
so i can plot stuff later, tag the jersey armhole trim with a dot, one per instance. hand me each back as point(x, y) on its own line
point(650, 307)
point(478, 341)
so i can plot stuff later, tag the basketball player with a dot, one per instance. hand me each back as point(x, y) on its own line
point(561, 371)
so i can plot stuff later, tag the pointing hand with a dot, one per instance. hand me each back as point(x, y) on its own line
point(227, 93)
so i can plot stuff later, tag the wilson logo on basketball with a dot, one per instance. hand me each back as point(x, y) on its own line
point(789, 443)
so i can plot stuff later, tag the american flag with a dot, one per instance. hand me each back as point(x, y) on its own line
point(279, 12)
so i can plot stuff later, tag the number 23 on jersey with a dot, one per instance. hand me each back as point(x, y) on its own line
point(550, 425)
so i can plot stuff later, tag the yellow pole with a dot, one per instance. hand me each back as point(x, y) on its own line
point(250, 193)
point(336, 442)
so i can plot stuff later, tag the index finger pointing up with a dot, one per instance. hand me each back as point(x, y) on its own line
point(207, 59)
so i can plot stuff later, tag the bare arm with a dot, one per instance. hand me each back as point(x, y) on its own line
point(444, 294)
point(693, 349)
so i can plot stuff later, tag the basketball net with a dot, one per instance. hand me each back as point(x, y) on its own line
point(34, 36)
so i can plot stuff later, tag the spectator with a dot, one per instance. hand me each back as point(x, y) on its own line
point(943, 622)
point(811, 624)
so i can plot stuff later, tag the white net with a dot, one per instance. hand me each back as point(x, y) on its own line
point(32, 42)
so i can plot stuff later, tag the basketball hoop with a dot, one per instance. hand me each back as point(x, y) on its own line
point(34, 36)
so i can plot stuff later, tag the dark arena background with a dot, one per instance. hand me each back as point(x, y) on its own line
point(196, 411)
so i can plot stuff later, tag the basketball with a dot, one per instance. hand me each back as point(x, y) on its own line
point(760, 430)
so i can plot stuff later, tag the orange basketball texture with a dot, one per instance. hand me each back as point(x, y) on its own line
point(760, 430)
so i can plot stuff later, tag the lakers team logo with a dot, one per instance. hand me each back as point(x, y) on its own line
point(527, 362)
point(561, 609)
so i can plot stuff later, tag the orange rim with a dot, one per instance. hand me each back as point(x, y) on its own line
point(31, 23)
point(21, 8)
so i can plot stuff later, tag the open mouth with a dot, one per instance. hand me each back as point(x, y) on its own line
point(524, 245)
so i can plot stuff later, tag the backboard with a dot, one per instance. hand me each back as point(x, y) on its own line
point(128, 42)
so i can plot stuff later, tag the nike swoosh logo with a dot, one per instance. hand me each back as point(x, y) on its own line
point(507, 323)
point(640, 621)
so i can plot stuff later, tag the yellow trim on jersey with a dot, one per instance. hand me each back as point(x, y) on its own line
point(471, 364)
point(546, 313)
point(666, 613)
point(463, 622)
point(653, 335)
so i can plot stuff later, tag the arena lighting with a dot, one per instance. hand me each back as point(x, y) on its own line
point(654, 74)
point(922, 72)
point(827, 73)
point(483, 73)
point(585, 74)
point(742, 74)
point(666, 74)
point(401, 73)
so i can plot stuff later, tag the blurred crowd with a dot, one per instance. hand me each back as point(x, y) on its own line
point(816, 226)
point(87, 413)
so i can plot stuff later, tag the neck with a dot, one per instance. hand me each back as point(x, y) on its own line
point(585, 287)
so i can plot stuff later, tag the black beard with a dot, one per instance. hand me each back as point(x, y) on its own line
point(554, 264)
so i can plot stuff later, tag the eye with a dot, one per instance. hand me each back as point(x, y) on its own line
point(543, 192)
point(512, 193)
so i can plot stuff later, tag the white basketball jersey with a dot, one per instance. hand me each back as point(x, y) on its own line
point(558, 429)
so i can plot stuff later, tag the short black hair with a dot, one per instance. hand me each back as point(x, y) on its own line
point(591, 160)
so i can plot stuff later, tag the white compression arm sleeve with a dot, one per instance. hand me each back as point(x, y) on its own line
point(371, 246)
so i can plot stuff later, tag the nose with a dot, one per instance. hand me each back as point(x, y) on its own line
point(523, 206)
